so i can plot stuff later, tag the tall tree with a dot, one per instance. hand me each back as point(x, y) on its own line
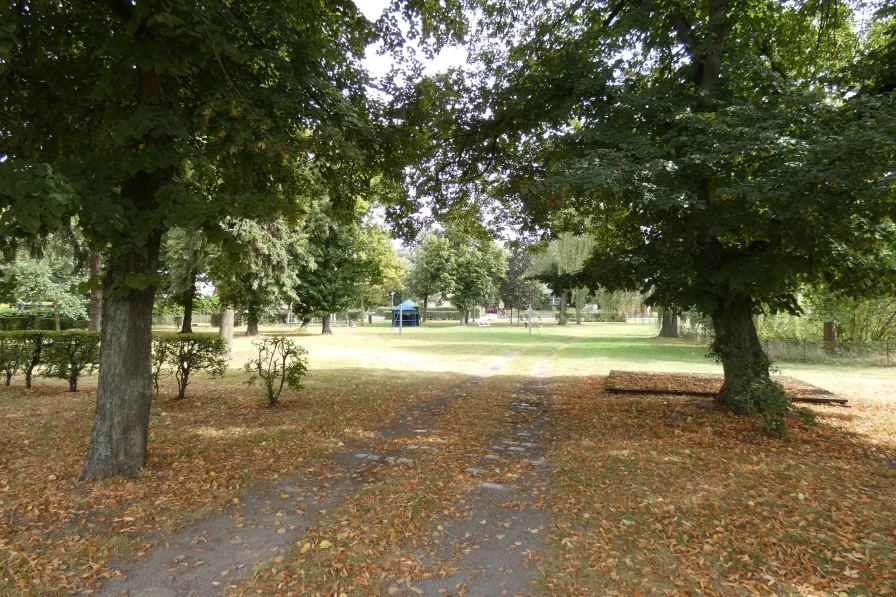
point(49, 271)
point(185, 259)
point(476, 269)
point(429, 271)
point(112, 111)
point(517, 287)
point(345, 256)
point(257, 267)
point(560, 267)
point(708, 136)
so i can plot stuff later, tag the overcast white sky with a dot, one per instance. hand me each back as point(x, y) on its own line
point(380, 65)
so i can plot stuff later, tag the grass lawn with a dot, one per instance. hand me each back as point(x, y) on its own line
point(646, 495)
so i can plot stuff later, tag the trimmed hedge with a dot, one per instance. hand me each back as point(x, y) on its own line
point(599, 317)
point(9, 323)
point(72, 353)
point(434, 313)
point(66, 355)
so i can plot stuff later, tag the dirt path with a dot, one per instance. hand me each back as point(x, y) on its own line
point(217, 552)
point(492, 552)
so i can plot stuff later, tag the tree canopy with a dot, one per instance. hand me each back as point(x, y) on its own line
point(727, 147)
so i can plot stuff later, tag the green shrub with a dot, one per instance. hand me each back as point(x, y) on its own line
point(70, 354)
point(279, 362)
point(183, 355)
point(38, 323)
point(33, 345)
point(32, 312)
point(10, 356)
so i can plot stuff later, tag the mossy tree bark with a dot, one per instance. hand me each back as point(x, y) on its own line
point(737, 346)
point(189, 294)
point(96, 295)
point(670, 323)
point(226, 328)
point(124, 389)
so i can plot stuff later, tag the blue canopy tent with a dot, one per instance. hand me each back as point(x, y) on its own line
point(407, 313)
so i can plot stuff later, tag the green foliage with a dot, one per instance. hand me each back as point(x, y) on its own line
point(429, 272)
point(184, 355)
point(10, 356)
point(279, 362)
point(346, 261)
point(714, 160)
point(870, 319)
point(259, 266)
point(202, 305)
point(35, 323)
point(65, 355)
point(601, 317)
point(518, 289)
point(33, 346)
point(49, 272)
point(71, 354)
point(763, 399)
point(476, 269)
point(30, 312)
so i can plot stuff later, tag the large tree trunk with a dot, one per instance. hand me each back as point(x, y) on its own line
point(325, 327)
point(189, 295)
point(562, 318)
point(252, 325)
point(124, 388)
point(737, 346)
point(363, 313)
point(56, 317)
point(96, 295)
point(425, 307)
point(578, 315)
point(670, 323)
point(830, 335)
point(226, 328)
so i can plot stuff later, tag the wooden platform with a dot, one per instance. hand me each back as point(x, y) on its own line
point(694, 384)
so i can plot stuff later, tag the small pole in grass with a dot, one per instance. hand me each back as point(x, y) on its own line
point(888, 353)
point(530, 319)
point(400, 317)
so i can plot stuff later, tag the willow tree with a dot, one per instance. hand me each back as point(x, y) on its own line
point(731, 160)
point(113, 110)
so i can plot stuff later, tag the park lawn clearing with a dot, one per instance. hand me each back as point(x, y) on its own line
point(684, 384)
point(620, 463)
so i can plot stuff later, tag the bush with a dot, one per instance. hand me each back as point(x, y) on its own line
point(9, 323)
point(32, 313)
point(33, 345)
point(70, 354)
point(279, 362)
point(10, 356)
point(591, 316)
point(182, 355)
